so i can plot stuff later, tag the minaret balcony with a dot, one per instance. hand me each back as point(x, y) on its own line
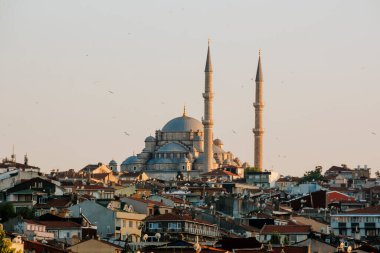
point(258, 105)
point(258, 131)
point(207, 122)
point(208, 95)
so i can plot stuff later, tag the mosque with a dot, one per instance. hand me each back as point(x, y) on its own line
point(184, 146)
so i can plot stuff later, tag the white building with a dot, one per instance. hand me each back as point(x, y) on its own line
point(359, 223)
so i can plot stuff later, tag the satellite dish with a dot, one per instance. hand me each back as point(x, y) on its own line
point(349, 249)
point(158, 236)
point(145, 237)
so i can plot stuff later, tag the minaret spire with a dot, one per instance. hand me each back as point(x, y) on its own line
point(207, 120)
point(259, 105)
point(208, 67)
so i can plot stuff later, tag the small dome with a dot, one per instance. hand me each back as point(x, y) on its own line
point(183, 124)
point(218, 142)
point(112, 162)
point(172, 147)
point(150, 139)
point(131, 160)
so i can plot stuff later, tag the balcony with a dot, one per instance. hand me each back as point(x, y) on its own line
point(198, 231)
point(194, 231)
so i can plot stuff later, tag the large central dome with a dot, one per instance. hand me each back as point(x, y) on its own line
point(183, 124)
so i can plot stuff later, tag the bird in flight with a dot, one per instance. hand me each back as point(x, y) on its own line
point(234, 131)
point(373, 133)
point(126, 133)
point(110, 91)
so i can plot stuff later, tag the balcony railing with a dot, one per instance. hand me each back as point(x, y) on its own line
point(195, 231)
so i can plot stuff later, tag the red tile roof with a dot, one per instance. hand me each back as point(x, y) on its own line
point(59, 224)
point(367, 210)
point(287, 229)
point(94, 187)
point(148, 201)
point(59, 203)
point(175, 217)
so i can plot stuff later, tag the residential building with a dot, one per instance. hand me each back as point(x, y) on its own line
point(181, 227)
point(68, 231)
point(129, 224)
point(360, 224)
point(336, 170)
point(96, 191)
point(52, 205)
point(293, 233)
point(147, 206)
point(30, 228)
point(286, 183)
point(257, 178)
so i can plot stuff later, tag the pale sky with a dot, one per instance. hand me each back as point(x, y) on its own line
point(59, 60)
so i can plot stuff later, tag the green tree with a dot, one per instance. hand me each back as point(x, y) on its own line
point(6, 211)
point(26, 212)
point(313, 175)
point(5, 243)
point(275, 238)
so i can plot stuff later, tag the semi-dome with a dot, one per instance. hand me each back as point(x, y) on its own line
point(150, 139)
point(130, 160)
point(183, 124)
point(172, 147)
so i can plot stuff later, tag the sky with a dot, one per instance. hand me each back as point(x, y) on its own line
point(76, 74)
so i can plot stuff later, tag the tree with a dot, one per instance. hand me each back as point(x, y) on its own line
point(377, 174)
point(5, 243)
point(6, 211)
point(275, 238)
point(313, 175)
point(26, 213)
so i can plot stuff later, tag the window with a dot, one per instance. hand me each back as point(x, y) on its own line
point(174, 225)
point(130, 223)
point(68, 234)
point(124, 224)
point(154, 225)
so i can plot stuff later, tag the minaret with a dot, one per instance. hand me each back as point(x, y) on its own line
point(207, 120)
point(259, 105)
